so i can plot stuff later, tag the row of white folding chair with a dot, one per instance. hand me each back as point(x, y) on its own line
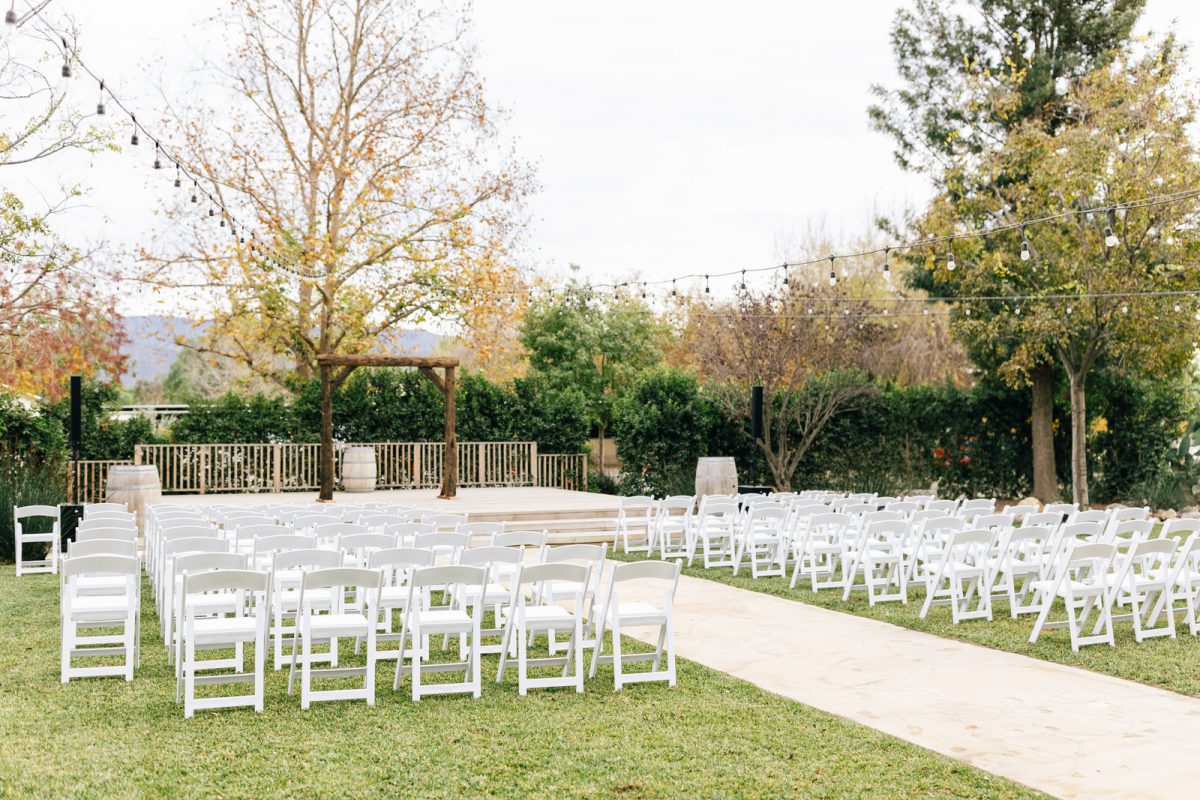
point(325, 590)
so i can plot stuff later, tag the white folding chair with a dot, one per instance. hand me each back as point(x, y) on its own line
point(356, 548)
point(444, 522)
point(406, 533)
point(106, 611)
point(635, 513)
point(423, 620)
point(818, 549)
point(549, 592)
point(480, 533)
point(963, 575)
point(397, 566)
point(288, 568)
point(1082, 581)
point(243, 620)
point(1023, 561)
point(879, 557)
point(673, 525)
point(764, 537)
point(496, 595)
point(1147, 574)
point(714, 534)
point(620, 615)
point(525, 618)
point(195, 563)
point(172, 579)
point(316, 624)
point(21, 537)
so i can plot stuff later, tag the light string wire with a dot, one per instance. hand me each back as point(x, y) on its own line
point(273, 258)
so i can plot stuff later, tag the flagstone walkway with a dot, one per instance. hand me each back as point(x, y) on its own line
point(1066, 731)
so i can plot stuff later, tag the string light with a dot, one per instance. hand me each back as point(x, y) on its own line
point(178, 177)
point(950, 258)
point(706, 284)
point(157, 156)
point(887, 270)
point(195, 189)
point(133, 140)
point(832, 274)
point(100, 110)
point(1110, 238)
point(743, 280)
point(1024, 246)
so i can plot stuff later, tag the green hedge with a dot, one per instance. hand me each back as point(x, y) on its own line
point(973, 441)
point(397, 405)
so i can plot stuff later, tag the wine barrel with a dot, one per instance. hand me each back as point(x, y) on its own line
point(716, 475)
point(135, 486)
point(358, 469)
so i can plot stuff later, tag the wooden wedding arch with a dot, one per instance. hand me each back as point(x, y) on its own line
point(334, 371)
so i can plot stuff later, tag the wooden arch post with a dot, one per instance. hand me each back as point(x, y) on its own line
point(334, 371)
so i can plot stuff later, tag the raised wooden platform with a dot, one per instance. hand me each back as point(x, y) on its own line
point(569, 516)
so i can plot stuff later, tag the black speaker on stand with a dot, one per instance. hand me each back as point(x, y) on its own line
point(756, 412)
point(69, 514)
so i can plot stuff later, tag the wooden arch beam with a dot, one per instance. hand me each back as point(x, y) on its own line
point(428, 366)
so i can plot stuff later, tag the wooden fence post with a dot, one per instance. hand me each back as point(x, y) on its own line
point(203, 467)
point(277, 467)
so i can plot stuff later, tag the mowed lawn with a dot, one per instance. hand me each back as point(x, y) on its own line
point(711, 736)
point(1166, 663)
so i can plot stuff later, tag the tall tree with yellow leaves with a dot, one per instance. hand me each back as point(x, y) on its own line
point(362, 158)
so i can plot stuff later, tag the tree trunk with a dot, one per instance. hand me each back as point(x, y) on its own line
point(1079, 487)
point(1045, 473)
point(326, 495)
point(450, 458)
point(600, 448)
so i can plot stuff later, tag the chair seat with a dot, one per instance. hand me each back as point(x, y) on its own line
point(100, 607)
point(443, 620)
point(637, 613)
point(93, 583)
point(322, 625)
point(225, 629)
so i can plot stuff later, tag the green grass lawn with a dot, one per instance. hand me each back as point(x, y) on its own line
point(1172, 664)
point(711, 736)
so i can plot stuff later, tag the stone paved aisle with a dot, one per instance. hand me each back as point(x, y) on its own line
point(1065, 731)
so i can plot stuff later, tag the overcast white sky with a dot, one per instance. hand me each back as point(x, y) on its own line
point(670, 136)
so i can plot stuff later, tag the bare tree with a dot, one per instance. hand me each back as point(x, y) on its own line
point(361, 149)
point(802, 344)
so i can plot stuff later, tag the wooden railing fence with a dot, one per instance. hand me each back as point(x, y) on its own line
point(217, 468)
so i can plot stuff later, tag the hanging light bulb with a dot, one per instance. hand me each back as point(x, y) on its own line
point(887, 269)
point(643, 290)
point(100, 110)
point(1177, 307)
point(950, 265)
point(195, 187)
point(810, 312)
point(1024, 246)
point(66, 73)
point(157, 157)
point(222, 220)
point(743, 280)
point(1017, 310)
point(10, 20)
point(832, 274)
point(967, 311)
point(785, 275)
point(846, 312)
point(1110, 238)
point(1124, 308)
point(886, 311)
point(1068, 309)
point(706, 284)
point(178, 177)
point(673, 288)
point(925, 311)
point(211, 213)
point(133, 140)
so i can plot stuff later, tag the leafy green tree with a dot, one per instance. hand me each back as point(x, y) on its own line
point(574, 340)
point(661, 426)
point(1126, 136)
point(971, 73)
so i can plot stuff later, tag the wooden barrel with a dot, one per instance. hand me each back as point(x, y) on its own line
point(358, 469)
point(716, 475)
point(135, 486)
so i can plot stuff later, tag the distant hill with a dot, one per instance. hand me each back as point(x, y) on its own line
point(151, 348)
